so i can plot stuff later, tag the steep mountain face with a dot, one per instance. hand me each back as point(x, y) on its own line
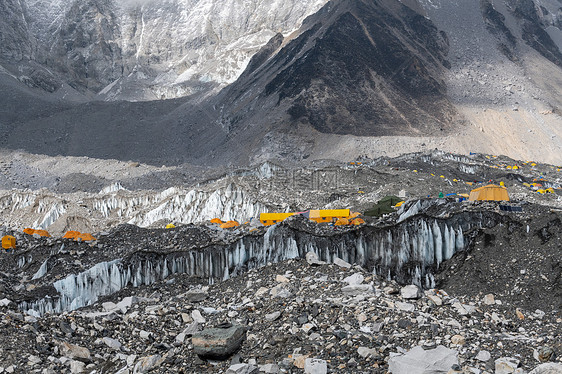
point(86, 47)
point(358, 67)
point(351, 79)
point(149, 49)
point(15, 37)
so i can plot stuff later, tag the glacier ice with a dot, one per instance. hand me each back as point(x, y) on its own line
point(42, 270)
point(175, 204)
point(409, 252)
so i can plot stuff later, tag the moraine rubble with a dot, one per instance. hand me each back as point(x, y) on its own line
point(341, 316)
point(449, 286)
point(334, 311)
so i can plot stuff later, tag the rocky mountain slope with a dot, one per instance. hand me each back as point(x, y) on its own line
point(354, 78)
point(144, 50)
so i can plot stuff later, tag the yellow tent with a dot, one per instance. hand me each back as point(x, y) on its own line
point(170, 226)
point(8, 242)
point(328, 215)
point(489, 192)
point(268, 219)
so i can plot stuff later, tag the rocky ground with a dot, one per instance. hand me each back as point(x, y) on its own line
point(494, 306)
point(340, 315)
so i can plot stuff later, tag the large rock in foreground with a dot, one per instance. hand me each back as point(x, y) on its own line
point(218, 343)
point(418, 361)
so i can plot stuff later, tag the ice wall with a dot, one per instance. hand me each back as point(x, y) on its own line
point(409, 252)
point(230, 203)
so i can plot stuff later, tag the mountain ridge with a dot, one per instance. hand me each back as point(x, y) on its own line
point(350, 81)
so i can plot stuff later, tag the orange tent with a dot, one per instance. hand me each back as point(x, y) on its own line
point(353, 215)
point(342, 222)
point(85, 237)
point(71, 235)
point(489, 192)
point(217, 221)
point(357, 221)
point(43, 233)
point(229, 224)
point(8, 242)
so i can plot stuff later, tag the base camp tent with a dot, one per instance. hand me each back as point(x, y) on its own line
point(489, 192)
point(8, 242)
point(384, 206)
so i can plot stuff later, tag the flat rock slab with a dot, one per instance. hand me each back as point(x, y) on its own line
point(218, 343)
point(419, 361)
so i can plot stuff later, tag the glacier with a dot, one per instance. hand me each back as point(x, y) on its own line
point(145, 209)
point(410, 252)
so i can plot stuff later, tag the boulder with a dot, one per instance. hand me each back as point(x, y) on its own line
point(548, 368)
point(506, 365)
point(341, 263)
point(483, 356)
point(146, 364)
point(196, 295)
point(269, 369)
point(410, 292)
point(489, 299)
point(242, 369)
point(315, 366)
point(73, 351)
point(217, 342)
point(418, 361)
point(313, 259)
point(354, 279)
point(77, 367)
point(358, 289)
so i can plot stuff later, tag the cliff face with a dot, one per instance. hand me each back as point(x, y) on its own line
point(15, 37)
point(146, 50)
point(361, 68)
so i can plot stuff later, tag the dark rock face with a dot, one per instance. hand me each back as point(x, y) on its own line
point(89, 41)
point(495, 23)
point(15, 39)
point(533, 31)
point(361, 68)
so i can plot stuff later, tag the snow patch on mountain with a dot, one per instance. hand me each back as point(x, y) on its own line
point(168, 48)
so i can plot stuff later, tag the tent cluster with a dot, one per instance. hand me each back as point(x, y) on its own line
point(339, 217)
point(42, 233)
point(78, 236)
point(9, 241)
point(541, 185)
point(225, 225)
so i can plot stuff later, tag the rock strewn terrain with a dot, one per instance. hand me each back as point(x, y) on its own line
point(345, 317)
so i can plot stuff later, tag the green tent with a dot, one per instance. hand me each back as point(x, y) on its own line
point(384, 206)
